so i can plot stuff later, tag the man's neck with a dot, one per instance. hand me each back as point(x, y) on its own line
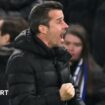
point(44, 40)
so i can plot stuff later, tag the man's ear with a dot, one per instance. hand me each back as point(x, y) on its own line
point(43, 29)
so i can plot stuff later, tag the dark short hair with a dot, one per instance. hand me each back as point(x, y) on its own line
point(80, 32)
point(39, 14)
point(13, 26)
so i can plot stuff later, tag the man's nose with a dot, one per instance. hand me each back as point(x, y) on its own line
point(65, 25)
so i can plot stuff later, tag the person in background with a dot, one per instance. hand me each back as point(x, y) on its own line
point(37, 70)
point(83, 68)
point(10, 27)
point(98, 35)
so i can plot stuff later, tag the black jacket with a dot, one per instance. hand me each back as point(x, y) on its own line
point(36, 73)
point(5, 52)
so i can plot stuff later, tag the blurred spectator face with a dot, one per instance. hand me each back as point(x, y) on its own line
point(3, 38)
point(10, 27)
point(1, 22)
point(74, 46)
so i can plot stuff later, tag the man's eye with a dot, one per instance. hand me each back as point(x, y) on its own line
point(59, 22)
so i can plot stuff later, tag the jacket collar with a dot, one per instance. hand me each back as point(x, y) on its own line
point(29, 42)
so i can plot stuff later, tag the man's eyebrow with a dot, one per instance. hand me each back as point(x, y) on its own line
point(60, 18)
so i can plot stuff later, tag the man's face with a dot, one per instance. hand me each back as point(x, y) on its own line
point(57, 27)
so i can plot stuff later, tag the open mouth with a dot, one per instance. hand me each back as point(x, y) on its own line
point(62, 35)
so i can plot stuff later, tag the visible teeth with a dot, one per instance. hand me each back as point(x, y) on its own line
point(62, 34)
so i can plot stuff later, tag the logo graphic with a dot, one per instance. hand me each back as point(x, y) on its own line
point(3, 92)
